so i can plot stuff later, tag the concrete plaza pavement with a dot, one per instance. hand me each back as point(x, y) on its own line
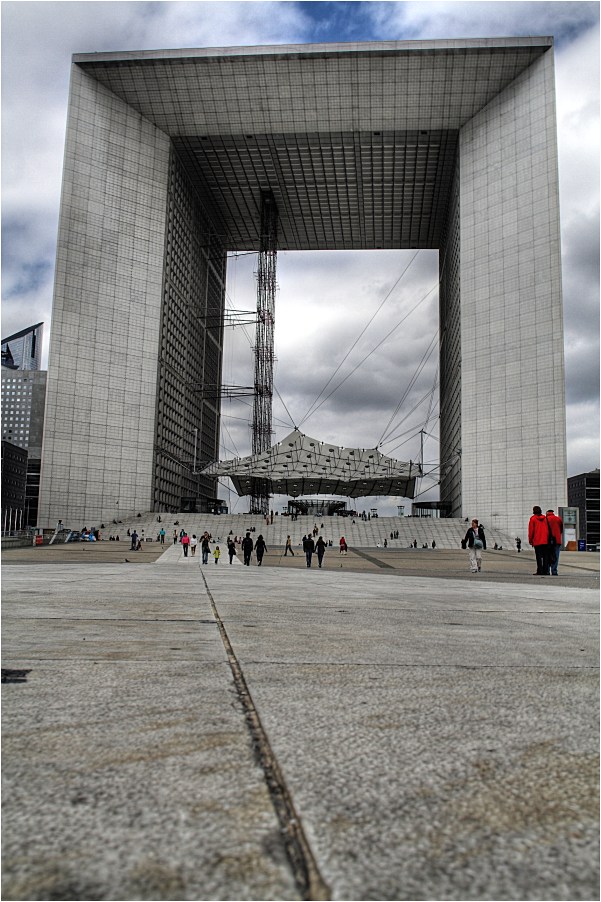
point(217, 732)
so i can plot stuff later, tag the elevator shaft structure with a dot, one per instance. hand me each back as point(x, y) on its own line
point(264, 345)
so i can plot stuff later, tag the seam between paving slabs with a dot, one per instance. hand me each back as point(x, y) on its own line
point(304, 867)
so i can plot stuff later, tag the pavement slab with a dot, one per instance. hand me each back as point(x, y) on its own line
point(437, 737)
point(128, 769)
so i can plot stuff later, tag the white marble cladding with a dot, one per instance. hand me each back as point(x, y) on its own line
point(504, 399)
point(100, 408)
point(512, 367)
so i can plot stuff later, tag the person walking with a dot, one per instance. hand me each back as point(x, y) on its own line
point(555, 539)
point(134, 541)
point(321, 550)
point(162, 535)
point(204, 547)
point(308, 548)
point(175, 536)
point(185, 543)
point(247, 548)
point(288, 547)
point(231, 549)
point(193, 544)
point(217, 554)
point(343, 545)
point(475, 541)
point(538, 537)
point(260, 549)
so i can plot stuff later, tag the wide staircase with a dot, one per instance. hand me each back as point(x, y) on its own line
point(446, 533)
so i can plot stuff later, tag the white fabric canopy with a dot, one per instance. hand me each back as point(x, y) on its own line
point(300, 465)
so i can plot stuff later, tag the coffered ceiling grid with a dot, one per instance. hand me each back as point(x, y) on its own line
point(357, 142)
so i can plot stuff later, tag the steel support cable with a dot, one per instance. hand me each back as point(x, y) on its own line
point(292, 423)
point(432, 406)
point(231, 440)
point(413, 434)
point(424, 359)
point(427, 489)
point(353, 346)
point(379, 345)
point(437, 468)
point(408, 414)
point(428, 415)
point(240, 400)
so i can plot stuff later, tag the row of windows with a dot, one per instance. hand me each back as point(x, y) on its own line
point(184, 362)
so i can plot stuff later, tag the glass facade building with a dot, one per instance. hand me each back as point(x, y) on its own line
point(23, 402)
point(23, 350)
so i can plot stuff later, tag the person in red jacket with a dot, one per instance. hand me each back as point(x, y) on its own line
point(556, 532)
point(538, 537)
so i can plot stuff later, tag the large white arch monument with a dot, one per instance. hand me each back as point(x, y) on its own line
point(447, 144)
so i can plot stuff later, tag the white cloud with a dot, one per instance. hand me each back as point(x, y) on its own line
point(431, 20)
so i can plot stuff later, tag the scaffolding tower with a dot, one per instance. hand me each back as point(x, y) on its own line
point(264, 345)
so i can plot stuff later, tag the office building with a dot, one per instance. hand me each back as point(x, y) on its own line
point(23, 401)
point(583, 493)
point(23, 350)
point(14, 479)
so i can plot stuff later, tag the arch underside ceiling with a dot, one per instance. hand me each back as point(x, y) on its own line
point(358, 143)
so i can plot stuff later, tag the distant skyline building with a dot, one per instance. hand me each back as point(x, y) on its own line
point(583, 493)
point(14, 482)
point(447, 144)
point(23, 402)
point(23, 350)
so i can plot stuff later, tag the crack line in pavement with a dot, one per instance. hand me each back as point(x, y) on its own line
point(304, 867)
point(373, 560)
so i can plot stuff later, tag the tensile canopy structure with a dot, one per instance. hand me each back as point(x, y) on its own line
point(300, 465)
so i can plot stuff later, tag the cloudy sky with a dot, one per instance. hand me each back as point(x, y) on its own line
point(335, 379)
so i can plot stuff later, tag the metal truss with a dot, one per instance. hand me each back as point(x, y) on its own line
point(264, 345)
point(229, 319)
point(214, 390)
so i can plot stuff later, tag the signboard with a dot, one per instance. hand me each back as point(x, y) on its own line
point(570, 517)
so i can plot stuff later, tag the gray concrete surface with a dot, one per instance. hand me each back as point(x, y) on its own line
point(438, 737)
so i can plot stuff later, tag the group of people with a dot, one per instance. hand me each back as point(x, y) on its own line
point(259, 547)
point(190, 544)
point(545, 533)
point(87, 535)
point(311, 547)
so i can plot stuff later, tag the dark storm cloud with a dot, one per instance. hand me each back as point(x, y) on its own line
point(578, 124)
point(580, 248)
point(582, 363)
